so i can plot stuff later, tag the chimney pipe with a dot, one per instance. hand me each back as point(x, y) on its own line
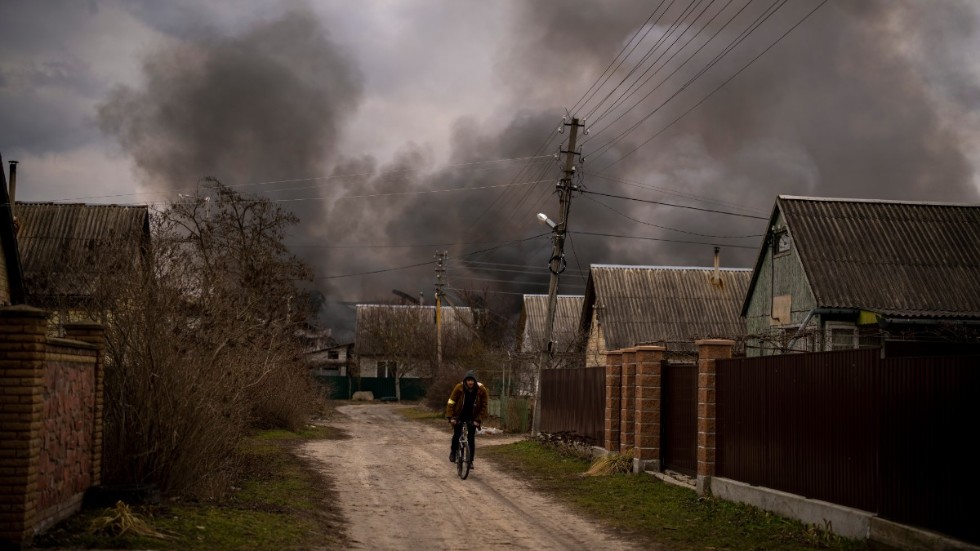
point(13, 183)
point(716, 276)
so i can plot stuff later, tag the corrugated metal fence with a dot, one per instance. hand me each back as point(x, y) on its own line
point(889, 436)
point(574, 401)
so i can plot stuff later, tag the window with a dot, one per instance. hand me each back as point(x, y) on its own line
point(841, 336)
point(387, 369)
point(333, 354)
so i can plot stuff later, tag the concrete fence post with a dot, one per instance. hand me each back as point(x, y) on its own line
point(646, 438)
point(614, 383)
point(709, 350)
point(94, 333)
point(22, 348)
point(627, 421)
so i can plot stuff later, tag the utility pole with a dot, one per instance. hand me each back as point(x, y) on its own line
point(557, 262)
point(440, 270)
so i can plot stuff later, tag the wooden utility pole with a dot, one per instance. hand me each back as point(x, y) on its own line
point(556, 264)
point(440, 270)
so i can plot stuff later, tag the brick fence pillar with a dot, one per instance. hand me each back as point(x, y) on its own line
point(93, 333)
point(709, 350)
point(614, 400)
point(22, 348)
point(627, 419)
point(646, 438)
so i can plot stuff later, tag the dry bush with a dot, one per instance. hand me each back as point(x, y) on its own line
point(201, 345)
point(614, 463)
point(439, 389)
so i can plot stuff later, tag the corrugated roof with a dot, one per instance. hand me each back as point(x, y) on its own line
point(58, 240)
point(565, 331)
point(643, 304)
point(457, 322)
point(895, 258)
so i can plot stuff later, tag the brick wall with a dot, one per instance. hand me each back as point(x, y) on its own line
point(50, 423)
point(634, 404)
point(65, 464)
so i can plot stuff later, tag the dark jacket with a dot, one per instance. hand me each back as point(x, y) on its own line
point(454, 407)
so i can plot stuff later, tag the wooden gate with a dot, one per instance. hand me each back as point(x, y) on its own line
point(679, 420)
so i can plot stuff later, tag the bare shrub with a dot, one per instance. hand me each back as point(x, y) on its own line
point(202, 343)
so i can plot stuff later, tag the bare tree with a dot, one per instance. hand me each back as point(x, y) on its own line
point(202, 342)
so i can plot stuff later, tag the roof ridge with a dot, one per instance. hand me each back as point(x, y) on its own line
point(875, 201)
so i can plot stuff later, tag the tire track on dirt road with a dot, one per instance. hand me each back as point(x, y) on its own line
point(398, 490)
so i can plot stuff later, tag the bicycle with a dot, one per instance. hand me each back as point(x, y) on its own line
point(463, 459)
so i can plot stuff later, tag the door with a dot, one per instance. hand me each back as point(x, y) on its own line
point(680, 418)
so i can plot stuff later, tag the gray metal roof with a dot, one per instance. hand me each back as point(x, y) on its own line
point(664, 304)
point(565, 331)
point(63, 245)
point(457, 323)
point(895, 258)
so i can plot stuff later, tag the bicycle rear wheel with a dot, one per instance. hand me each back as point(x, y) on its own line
point(463, 460)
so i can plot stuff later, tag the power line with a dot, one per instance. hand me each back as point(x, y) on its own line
point(677, 24)
point(762, 18)
point(622, 99)
point(624, 215)
point(613, 61)
point(597, 234)
point(673, 205)
point(308, 179)
point(719, 87)
point(676, 193)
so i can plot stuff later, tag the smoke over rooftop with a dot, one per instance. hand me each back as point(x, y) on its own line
point(860, 100)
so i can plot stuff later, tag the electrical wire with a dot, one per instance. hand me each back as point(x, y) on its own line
point(713, 211)
point(672, 229)
point(719, 87)
point(597, 234)
point(613, 60)
point(692, 7)
point(676, 193)
point(622, 99)
point(762, 18)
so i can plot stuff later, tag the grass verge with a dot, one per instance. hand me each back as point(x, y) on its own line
point(644, 509)
point(281, 503)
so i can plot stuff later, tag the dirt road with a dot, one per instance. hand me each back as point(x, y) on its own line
point(399, 491)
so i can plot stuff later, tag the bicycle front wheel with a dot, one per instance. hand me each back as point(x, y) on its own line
point(463, 461)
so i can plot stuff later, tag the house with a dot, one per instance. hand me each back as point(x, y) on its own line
point(394, 341)
point(66, 248)
point(11, 275)
point(331, 361)
point(566, 347)
point(665, 305)
point(848, 273)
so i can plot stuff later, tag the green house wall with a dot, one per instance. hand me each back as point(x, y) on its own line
point(779, 275)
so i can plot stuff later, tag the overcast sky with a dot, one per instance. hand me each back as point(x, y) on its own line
point(398, 128)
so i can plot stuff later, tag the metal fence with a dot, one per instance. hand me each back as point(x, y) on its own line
point(342, 388)
point(887, 436)
point(573, 401)
point(514, 412)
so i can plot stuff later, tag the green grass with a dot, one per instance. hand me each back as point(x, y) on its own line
point(280, 504)
point(425, 415)
point(643, 508)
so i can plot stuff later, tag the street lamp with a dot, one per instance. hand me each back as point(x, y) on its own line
point(543, 218)
point(545, 358)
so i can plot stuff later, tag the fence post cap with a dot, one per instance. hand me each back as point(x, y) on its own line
point(714, 342)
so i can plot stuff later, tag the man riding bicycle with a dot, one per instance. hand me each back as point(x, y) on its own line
point(466, 407)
